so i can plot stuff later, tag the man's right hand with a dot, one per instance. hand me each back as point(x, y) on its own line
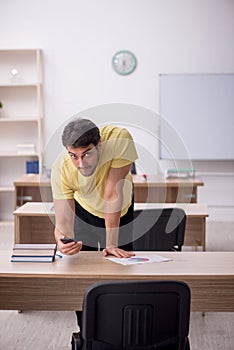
point(69, 248)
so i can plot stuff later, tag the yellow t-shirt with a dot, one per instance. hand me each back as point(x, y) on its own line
point(117, 150)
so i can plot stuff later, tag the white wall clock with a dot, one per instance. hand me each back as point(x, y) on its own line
point(124, 62)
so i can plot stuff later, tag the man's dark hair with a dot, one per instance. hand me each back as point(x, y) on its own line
point(80, 133)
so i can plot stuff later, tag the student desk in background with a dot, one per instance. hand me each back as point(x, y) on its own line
point(155, 189)
point(34, 222)
point(61, 285)
point(32, 187)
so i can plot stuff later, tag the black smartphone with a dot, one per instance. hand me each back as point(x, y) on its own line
point(66, 240)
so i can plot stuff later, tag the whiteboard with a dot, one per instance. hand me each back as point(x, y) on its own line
point(197, 116)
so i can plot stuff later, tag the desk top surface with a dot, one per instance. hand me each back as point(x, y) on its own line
point(160, 181)
point(195, 265)
point(47, 208)
point(32, 180)
point(152, 180)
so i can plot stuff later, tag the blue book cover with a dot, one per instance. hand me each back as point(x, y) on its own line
point(29, 167)
point(36, 167)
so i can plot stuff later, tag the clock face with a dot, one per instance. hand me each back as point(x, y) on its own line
point(124, 62)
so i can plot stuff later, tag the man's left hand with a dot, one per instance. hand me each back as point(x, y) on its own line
point(119, 253)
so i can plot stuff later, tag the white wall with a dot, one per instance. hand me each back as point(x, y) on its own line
point(79, 38)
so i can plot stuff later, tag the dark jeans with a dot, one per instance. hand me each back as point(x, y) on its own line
point(90, 229)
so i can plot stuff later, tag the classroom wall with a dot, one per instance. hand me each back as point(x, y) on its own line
point(79, 38)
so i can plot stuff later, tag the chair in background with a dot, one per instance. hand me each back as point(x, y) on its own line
point(133, 168)
point(135, 315)
point(159, 229)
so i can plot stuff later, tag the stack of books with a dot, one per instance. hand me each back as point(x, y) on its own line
point(33, 252)
point(179, 173)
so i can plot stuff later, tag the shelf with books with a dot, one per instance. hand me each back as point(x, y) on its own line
point(21, 113)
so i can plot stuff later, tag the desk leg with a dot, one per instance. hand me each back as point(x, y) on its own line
point(204, 234)
point(17, 229)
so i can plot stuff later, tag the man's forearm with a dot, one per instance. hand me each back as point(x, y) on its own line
point(112, 229)
point(113, 203)
point(112, 219)
point(112, 237)
point(64, 215)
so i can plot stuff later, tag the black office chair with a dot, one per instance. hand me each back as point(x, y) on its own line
point(136, 315)
point(159, 229)
point(133, 169)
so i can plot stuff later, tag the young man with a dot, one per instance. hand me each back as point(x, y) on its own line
point(92, 189)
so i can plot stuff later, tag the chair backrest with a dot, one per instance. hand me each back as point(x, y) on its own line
point(136, 315)
point(159, 229)
point(133, 168)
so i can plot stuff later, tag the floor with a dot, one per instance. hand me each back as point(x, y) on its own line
point(47, 330)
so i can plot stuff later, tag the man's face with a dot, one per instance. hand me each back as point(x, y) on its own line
point(85, 159)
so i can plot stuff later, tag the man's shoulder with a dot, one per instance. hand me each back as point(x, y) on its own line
point(113, 132)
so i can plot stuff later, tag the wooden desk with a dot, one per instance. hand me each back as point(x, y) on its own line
point(61, 285)
point(34, 222)
point(157, 189)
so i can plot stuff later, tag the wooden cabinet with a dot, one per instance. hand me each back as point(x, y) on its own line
point(21, 115)
point(32, 188)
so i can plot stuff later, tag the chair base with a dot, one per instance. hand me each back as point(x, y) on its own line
point(76, 342)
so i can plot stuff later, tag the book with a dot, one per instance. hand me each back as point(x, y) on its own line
point(29, 167)
point(179, 173)
point(32, 258)
point(32, 167)
point(34, 246)
point(33, 252)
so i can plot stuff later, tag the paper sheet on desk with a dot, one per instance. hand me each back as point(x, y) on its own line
point(140, 259)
